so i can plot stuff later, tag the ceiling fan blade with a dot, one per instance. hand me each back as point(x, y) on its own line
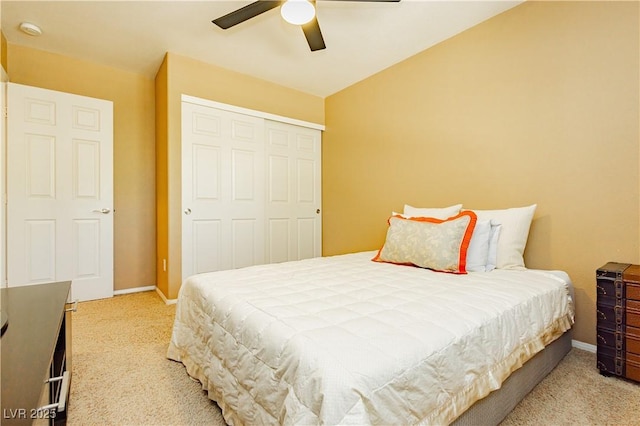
point(249, 11)
point(314, 35)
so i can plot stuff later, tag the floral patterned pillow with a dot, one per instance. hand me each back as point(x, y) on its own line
point(428, 242)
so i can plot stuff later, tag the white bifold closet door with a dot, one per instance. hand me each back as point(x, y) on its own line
point(250, 190)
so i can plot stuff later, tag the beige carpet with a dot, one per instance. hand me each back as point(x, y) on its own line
point(121, 376)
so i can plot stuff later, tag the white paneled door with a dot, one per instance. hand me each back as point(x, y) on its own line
point(294, 228)
point(60, 190)
point(222, 190)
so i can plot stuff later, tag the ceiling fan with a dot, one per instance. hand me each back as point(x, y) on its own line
point(297, 12)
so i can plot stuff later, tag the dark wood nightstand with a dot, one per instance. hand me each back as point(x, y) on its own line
point(618, 320)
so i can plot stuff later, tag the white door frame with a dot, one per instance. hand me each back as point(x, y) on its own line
point(251, 112)
point(4, 78)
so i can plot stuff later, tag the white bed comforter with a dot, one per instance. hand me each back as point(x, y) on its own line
point(344, 340)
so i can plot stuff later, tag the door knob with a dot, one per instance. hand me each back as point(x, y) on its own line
point(103, 211)
point(187, 211)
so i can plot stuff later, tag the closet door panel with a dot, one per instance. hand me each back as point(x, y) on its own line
point(306, 182)
point(246, 246)
point(307, 238)
point(293, 185)
point(223, 167)
point(206, 172)
point(243, 176)
point(206, 246)
point(278, 237)
point(278, 180)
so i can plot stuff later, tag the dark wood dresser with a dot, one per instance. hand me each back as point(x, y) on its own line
point(36, 354)
point(618, 320)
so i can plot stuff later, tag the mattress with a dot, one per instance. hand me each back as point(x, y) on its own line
point(344, 340)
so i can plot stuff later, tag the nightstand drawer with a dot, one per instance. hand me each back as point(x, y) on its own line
point(607, 287)
point(633, 344)
point(633, 292)
point(610, 364)
point(632, 371)
point(609, 352)
point(633, 331)
point(633, 305)
point(609, 315)
point(633, 318)
point(610, 338)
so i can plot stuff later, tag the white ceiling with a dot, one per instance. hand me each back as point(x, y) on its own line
point(362, 38)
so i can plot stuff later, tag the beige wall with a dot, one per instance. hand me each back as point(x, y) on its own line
point(182, 75)
point(162, 178)
point(537, 105)
point(134, 153)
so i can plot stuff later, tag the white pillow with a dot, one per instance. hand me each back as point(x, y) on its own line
point(513, 235)
point(478, 252)
point(492, 257)
point(438, 213)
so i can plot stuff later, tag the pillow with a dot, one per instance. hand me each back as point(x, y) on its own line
point(478, 253)
point(513, 235)
point(429, 242)
point(492, 257)
point(438, 213)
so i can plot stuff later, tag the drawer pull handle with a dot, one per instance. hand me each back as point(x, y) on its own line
point(74, 307)
point(601, 289)
point(62, 397)
point(601, 366)
point(600, 313)
point(619, 341)
point(604, 341)
point(619, 311)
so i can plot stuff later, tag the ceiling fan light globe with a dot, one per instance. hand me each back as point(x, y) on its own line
point(297, 12)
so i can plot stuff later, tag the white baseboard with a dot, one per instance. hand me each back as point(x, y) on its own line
point(134, 290)
point(164, 299)
point(584, 346)
point(147, 288)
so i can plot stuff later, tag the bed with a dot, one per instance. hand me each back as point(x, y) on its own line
point(345, 340)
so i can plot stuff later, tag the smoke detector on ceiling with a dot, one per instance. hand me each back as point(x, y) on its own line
point(31, 29)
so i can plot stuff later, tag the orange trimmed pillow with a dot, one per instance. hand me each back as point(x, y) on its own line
point(438, 244)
